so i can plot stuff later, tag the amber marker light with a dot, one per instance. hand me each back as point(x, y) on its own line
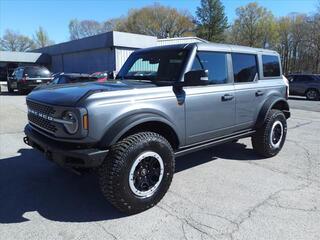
point(85, 122)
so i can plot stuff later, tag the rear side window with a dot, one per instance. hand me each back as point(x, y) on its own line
point(34, 72)
point(304, 78)
point(271, 66)
point(215, 63)
point(245, 67)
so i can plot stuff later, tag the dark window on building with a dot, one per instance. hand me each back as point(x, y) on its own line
point(215, 63)
point(245, 68)
point(271, 66)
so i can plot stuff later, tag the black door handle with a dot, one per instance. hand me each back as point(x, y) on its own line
point(259, 93)
point(227, 97)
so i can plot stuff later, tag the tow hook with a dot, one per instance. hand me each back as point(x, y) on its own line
point(26, 140)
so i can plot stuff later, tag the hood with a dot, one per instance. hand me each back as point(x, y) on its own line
point(70, 94)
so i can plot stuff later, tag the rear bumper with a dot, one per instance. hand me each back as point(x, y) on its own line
point(64, 154)
point(26, 87)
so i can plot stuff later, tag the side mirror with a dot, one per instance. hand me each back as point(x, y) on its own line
point(196, 78)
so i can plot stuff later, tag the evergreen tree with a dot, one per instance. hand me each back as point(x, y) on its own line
point(211, 20)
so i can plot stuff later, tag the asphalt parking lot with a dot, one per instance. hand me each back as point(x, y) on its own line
point(226, 192)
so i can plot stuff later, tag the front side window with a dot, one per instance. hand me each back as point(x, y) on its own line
point(156, 66)
point(245, 67)
point(271, 66)
point(215, 63)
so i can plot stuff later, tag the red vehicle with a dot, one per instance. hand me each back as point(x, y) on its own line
point(101, 76)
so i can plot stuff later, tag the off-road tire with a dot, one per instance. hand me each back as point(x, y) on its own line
point(261, 140)
point(114, 172)
point(314, 96)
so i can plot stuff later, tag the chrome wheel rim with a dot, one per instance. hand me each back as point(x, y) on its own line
point(146, 174)
point(276, 134)
point(311, 94)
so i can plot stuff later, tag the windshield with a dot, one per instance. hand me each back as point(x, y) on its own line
point(155, 66)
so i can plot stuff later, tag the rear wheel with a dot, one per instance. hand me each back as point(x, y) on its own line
point(312, 94)
point(10, 89)
point(269, 139)
point(137, 172)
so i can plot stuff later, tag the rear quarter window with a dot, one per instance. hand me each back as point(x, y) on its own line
point(37, 72)
point(271, 66)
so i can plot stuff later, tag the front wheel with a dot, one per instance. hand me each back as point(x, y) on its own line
point(269, 139)
point(137, 172)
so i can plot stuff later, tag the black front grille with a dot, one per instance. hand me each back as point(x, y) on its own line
point(41, 108)
point(42, 122)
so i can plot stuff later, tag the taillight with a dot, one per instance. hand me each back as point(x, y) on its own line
point(286, 82)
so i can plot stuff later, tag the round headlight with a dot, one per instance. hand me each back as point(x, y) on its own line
point(71, 123)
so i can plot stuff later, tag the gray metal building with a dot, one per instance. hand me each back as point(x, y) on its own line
point(104, 52)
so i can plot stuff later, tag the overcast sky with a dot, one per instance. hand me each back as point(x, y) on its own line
point(25, 16)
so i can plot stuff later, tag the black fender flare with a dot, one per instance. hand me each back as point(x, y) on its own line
point(268, 105)
point(121, 127)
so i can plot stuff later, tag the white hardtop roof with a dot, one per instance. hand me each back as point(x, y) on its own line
point(232, 48)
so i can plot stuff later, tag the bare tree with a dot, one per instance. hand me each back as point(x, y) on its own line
point(254, 26)
point(13, 41)
point(80, 29)
point(41, 38)
point(159, 21)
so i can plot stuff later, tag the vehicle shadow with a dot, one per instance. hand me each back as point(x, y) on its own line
point(228, 151)
point(30, 183)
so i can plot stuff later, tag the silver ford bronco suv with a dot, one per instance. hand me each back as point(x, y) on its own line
point(165, 102)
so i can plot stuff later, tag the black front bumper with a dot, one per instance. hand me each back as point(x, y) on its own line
point(64, 154)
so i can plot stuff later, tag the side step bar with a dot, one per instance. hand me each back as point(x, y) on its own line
point(211, 143)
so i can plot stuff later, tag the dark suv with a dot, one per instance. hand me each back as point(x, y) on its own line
point(26, 78)
point(305, 85)
point(67, 78)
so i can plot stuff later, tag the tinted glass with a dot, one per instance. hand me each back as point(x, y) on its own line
point(62, 80)
point(80, 79)
point(303, 78)
point(215, 63)
point(157, 66)
point(34, 72)
point(55, 80)
point(271, 66)
point(19, 73)
point(244, 67)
